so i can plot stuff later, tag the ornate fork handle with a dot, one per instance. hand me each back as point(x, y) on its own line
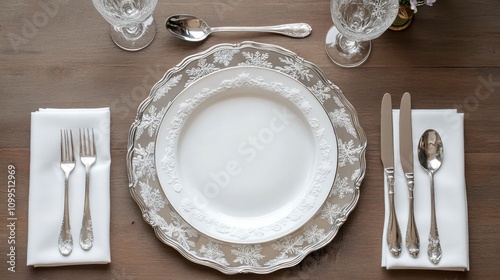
point(86, 232)
point(65, 242)
point(393, 231)
point(88, 158)
point(65, 238)
point(296, 30)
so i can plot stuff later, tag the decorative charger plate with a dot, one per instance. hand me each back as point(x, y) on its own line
point(245, 158)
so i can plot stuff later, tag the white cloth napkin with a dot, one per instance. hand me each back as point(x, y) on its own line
point(450, 195)
point(46, 190)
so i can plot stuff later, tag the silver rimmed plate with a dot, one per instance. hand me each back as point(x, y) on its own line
point(245, 158)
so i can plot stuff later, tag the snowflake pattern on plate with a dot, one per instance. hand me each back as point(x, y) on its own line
point(225, 56)
point(321, 91)
point(257, 59)
point(295, 69)
point(331, 212)
point(341, 119)
point(348, 153)
point(152, 197)
point(143, 162)
point(341, 187)
point(151, 121)
point(212, 251)
point(164, 89)
point(202, 70)
point(237, 258)
point(248, 254)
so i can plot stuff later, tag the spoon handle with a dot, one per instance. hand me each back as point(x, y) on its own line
point(296, 30)
point(393, 231)
point(434, 249)
point(412, 238)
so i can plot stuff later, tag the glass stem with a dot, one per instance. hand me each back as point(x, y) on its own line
point(347, 46)
point(131, 32)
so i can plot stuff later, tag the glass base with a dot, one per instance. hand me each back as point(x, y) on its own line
point(346, 53)
point(134, 38)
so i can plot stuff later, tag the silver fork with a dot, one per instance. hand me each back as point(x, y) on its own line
point(88, 158)
point(67, 165)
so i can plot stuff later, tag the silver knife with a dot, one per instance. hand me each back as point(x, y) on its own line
point(406, 154)
point(387, 155)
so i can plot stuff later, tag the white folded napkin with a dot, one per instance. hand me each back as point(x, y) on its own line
point(450, 195)
point(46, 190)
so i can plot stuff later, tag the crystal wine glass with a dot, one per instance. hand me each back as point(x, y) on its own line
point(132, 25)
point(355, 23)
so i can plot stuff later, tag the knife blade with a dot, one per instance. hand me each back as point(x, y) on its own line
point(406, 154)
point(393, 236)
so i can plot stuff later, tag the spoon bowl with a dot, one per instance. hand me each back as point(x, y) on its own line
point(194, 29)
point(189, 28)
point(430, 156)
point(430, 150)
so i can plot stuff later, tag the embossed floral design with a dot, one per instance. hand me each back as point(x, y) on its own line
point(187, 106)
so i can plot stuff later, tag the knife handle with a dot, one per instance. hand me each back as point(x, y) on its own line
point(393, 231)
point(412, 239)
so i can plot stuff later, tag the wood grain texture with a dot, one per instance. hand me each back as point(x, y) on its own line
point(69, 60)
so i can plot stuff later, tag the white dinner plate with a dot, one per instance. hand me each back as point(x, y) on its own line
point(246, 154)
point(246, 158)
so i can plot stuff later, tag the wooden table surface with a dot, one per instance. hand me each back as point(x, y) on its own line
point(64, 57)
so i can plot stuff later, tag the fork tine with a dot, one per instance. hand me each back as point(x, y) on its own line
point(66, 144)
point(87, 146)
point(92, 140)
point(62, 145)
point(82, 143)
point(71, 148)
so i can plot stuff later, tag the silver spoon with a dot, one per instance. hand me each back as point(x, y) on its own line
point(193, 29)
point(430, 155)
